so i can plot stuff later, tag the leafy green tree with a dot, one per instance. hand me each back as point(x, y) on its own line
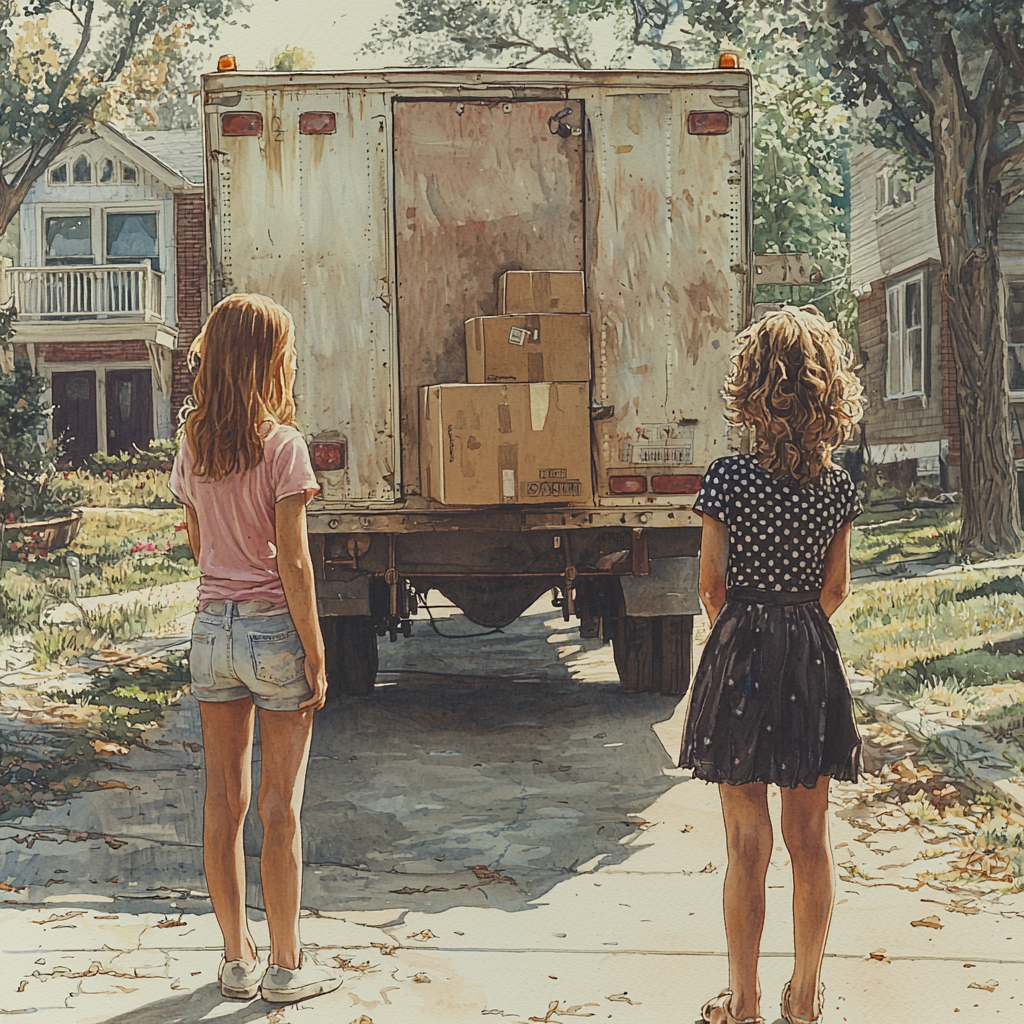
point(65, 63)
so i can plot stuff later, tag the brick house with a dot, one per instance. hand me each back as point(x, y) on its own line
point(110, 285)
point(911, 425)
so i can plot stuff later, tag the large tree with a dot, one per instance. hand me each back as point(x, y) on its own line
point(64, 63)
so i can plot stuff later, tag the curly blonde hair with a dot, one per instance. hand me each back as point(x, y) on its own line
point(793, 381)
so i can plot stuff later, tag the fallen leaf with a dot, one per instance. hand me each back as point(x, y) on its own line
point(708, 869)
point(104, 749)
point(927, 922)
point(104, 917)
point(23, 986)
point(686, 828)
point(988, 986)
point(171, 923)
point(125, 989)
point(62, 917)
point(347, 965)
point(879, 954)
point(957, 906)
point(112, 880)
point(621, 997)
point(485, 874)
point(55, 881)
point(4, 887)
point(363, 1020)
point(385, 949)
point(421, 978)
point(424, 936)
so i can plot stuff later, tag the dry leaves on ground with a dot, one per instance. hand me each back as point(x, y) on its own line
point(94, 969)
point(424, 936)
point(486, 875)
point(171, 922)
point(987, 986)
point(421, 978)
point(67, 836)
point(994, 865)
point(621, 997)
point(385, 949)
point(569, 1011)
point(964, 906)
point(62, 917)
point(104, 749)
point(879, 955)
point(927, 922)
point(708, 869)
point(347, 965)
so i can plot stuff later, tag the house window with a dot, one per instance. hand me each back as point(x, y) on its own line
point(132, 238)
point(107, 171)
point(82, 171)
point(68, 240)
point(1015, 334)
point(129, 175)
point(904, 303)
point(59, 175)
point(890, 191)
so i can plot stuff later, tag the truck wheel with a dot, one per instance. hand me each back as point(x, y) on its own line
point(653, 654)
point(351, 647)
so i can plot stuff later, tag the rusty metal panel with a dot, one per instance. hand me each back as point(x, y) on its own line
point(481, 187)
point(304, 219)
point(667, 278)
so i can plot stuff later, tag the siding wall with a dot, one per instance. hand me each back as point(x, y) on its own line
point(903, 419)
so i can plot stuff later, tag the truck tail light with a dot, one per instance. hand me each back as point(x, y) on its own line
point(318, 122)
point(627, 484)
point(227, 63)
point(709, 122)
point(683, 483)
point(327, 456)
point(245, 123)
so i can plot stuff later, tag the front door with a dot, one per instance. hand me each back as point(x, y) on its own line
point(129, 410)
point(74, 415)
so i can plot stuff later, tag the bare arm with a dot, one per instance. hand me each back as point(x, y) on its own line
point(836, 584)
point(192, 531)
point(714, 557)
point(295, 567)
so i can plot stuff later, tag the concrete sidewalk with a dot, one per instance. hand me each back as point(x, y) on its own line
point(631, 934)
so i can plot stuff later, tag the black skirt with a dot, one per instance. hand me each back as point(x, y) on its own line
point(770, 701)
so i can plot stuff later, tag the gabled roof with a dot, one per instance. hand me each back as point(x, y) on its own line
point(160, 157)
point(178, 148)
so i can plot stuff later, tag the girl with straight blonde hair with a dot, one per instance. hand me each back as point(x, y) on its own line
point(770, 703)
point(244, 476)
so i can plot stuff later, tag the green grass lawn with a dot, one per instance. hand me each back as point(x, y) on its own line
point(885, 538)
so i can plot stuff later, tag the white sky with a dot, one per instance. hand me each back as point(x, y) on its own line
point(333, 29)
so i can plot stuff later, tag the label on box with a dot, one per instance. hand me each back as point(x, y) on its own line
point(553, 488)
point(508, 483)
point(651, 455)
point(518, 335)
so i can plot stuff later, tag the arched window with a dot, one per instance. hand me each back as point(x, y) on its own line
point(107, 171)
point(129, 174)
point(82, 170)
point(59, 174)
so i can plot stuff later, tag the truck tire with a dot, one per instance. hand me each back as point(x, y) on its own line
point(653, 654)
point(350, 643)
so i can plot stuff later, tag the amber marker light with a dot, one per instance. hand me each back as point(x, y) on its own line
point(227, 63)
point(729, 59)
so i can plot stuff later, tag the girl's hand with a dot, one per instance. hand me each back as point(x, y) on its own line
point(316, 676)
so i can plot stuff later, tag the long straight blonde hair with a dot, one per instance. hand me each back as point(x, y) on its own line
point(243, 358)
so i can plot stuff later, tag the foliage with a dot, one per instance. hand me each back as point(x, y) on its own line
point(294, 58)
point(881, 539)
point(156, 457)
point(800, 128)
point(67, 63)
point(28, 464)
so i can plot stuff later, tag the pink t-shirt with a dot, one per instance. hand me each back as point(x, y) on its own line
point(237, 523)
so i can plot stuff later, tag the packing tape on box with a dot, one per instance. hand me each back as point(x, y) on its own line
point(508, 464)
point(540, 398)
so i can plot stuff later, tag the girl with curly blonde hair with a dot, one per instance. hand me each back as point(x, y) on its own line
point(770, 703)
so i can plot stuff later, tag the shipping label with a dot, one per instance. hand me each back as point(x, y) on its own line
point(659, 444)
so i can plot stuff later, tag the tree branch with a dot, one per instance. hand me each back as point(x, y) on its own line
point(884, 31)
point(64, 79)
point(138, 14)
point(502, 43)
point(920, 145)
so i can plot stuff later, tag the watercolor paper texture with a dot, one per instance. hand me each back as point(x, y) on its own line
point(517, 241)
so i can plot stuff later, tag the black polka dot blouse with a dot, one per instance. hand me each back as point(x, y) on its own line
point(778, 530)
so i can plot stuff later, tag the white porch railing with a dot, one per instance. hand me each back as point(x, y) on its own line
point(121, 291)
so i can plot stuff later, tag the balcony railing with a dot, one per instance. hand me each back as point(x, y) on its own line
point(126, 292)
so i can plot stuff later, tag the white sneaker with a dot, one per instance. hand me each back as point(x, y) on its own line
point(285, 985)
point(238, 980)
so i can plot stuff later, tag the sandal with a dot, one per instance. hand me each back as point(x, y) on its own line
point(721, 1002)
point(792, 1018)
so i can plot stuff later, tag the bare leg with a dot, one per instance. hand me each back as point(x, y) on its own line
point(284, 747)
point(748, 833)
point(227, 747)
point(805, 831)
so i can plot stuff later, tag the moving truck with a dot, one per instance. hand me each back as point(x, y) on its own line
point(444, 239)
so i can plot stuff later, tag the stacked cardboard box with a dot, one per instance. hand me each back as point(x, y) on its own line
point(519, 431)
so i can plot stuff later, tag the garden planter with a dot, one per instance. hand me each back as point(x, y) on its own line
point(47, 534)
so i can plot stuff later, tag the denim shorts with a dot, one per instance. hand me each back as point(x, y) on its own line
point(238, 651)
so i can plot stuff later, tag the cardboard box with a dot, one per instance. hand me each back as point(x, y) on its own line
point(506, 444)
point(542, 291)
point(528, 348)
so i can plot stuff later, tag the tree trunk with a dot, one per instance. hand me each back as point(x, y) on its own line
point(968, 210)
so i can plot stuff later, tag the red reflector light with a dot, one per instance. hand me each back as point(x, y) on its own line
point(327, 455)
point(627, 484)
point(709, 122)
point(247, 123)
point(318, 122)
point(681, 484)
